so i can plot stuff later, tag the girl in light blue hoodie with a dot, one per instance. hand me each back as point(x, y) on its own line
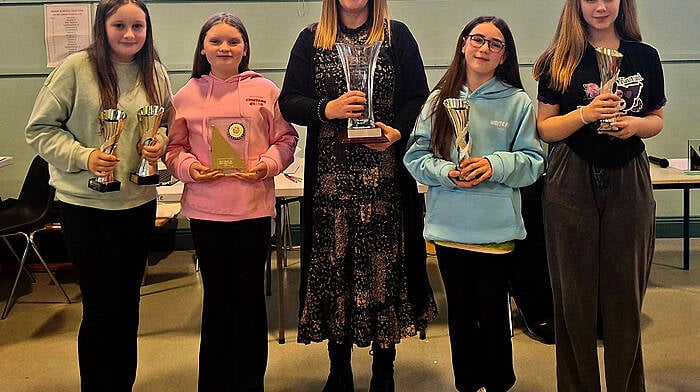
point(473, 206)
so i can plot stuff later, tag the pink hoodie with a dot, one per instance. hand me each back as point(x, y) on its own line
point(247, 99)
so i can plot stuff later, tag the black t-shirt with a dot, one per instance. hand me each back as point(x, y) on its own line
point(641, 86)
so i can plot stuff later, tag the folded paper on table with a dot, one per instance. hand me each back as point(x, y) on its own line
point(678, 163)
point(294, 167)
point(171, 192)
point(167, 210)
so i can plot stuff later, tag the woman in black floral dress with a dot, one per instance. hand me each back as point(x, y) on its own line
point(364, 278)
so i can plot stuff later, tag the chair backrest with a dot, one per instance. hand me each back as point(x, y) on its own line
point(36, 194)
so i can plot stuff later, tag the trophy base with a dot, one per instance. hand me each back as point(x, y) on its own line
point(104, 186)
point(363, 136)
point(607, 126)
point(147, 180)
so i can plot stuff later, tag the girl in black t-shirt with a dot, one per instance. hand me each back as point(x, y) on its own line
point(598, 201)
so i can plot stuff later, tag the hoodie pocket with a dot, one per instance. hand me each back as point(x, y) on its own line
point(470, 216)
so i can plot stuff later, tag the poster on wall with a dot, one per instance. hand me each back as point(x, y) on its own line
point(67, 29)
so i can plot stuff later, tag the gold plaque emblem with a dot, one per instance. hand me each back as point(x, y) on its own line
point(236, 131)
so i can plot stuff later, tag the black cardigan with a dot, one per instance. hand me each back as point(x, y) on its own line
point(300, 105)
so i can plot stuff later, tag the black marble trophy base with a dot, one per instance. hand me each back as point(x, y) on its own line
point(112, 186)
point(147, 180)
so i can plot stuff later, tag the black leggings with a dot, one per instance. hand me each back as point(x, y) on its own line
point(233, 345)
point(109, 250)
point(478, 318)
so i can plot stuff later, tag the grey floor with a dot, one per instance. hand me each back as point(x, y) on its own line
point(38, 339)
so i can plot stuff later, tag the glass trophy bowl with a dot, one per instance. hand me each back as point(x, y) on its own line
point(359, 63)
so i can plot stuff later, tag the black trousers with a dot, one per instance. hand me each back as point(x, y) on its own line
point(530, 284)
point(233, 344)
point(109, 250)
point(478, 318)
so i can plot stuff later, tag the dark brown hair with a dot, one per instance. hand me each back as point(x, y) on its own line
point(455, 77)
point(201, 65)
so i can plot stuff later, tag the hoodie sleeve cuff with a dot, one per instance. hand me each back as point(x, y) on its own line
point(444, 178)
point(496, 168)
point(183, 171)
point(273, 168)
point(80, 159)
point(163, 138)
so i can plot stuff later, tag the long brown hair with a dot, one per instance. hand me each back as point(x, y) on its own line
point(329, 24)
point(455, 77)
point(201, 65)
point(570, 40)
point(99, 53)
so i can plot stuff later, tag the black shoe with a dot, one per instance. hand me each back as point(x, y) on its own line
point(340, 378)
point(382, 369)
point(542, 331)
point(339, 381)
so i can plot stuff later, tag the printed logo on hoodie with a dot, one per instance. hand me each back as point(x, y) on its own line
point(500, 124)
point(255, 100)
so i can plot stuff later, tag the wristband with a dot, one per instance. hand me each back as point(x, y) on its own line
point(580, 113)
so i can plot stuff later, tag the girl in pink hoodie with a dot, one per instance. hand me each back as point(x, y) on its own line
point(230, 210)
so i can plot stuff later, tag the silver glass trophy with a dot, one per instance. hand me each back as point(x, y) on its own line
point(112, 123)
point(609, 62)
point(458, 111)
point(359, 63)
point(149, 121)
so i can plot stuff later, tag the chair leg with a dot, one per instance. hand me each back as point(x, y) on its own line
point(286, 232)
point(46, 266)
point(29, 274)
point(280, 276)
point(8, 304)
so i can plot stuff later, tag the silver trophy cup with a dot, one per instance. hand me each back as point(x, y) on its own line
point(609, 62)
point(359, 63)
point(149, 121)
point(112, 123)
point(458, 111)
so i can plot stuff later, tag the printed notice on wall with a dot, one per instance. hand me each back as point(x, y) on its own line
point(67, 29)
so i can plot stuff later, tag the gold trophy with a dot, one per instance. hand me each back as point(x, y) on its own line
point(609, 62)
point(228, 145)
point(359, 62)
point(458, 111)
point(149, 121)
point(112, 123)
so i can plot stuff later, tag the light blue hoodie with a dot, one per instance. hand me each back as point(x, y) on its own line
point(502, 129)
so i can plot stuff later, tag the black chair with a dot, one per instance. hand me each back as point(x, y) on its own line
point(26, 217)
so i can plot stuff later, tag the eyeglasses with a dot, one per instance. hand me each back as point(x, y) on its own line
point(477, 41)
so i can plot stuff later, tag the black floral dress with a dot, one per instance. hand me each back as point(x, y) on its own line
point(357, 286)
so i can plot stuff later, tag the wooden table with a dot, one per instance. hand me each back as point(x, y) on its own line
point(671, 178)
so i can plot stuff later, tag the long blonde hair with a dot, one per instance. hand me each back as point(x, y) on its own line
point(569, 44)
point(329, 26)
